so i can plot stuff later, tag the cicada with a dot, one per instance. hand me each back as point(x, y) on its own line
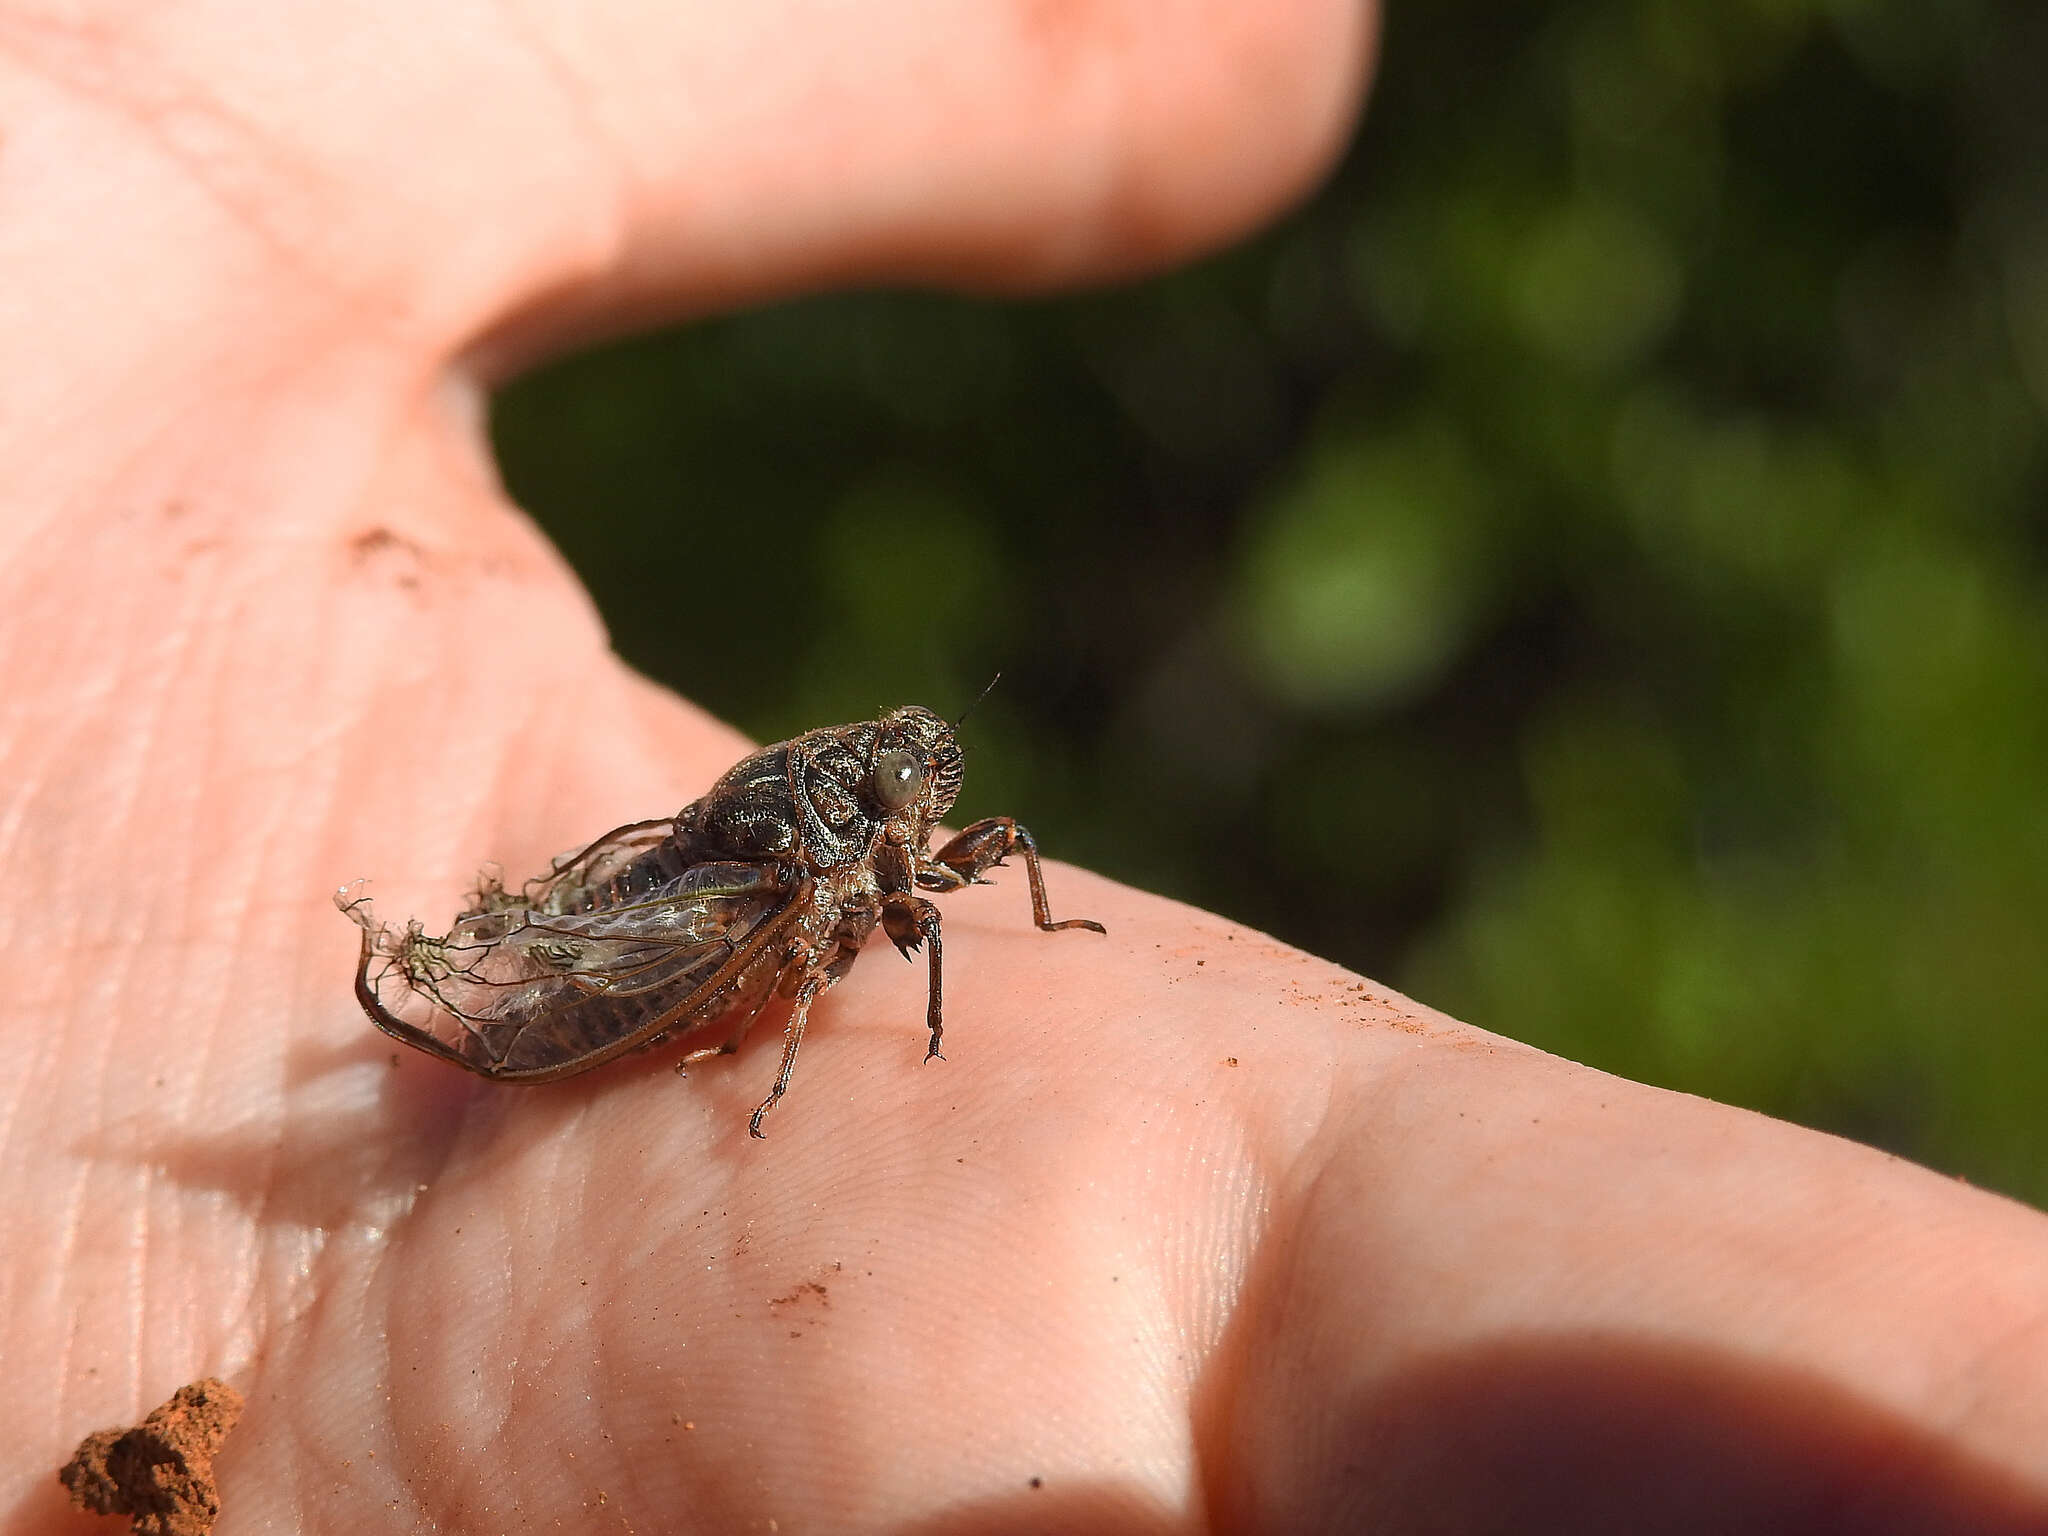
point(764, 889)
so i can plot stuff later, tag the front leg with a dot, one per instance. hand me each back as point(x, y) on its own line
point(911, 921)
point(983, 846)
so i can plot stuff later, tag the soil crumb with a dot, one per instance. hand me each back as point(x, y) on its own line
point(161, 1471)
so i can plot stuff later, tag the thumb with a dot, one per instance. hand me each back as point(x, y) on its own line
point(762, 149)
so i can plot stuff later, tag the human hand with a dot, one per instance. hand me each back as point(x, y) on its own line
point(1191, 1229)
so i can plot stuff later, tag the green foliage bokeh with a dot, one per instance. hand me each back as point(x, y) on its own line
point(1586, 568)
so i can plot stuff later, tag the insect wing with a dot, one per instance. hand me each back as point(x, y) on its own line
point(524, 992)
point(619, 867)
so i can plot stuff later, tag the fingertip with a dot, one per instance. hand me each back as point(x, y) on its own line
point(1214, 125)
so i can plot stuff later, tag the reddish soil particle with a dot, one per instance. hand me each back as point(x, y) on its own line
point(161, 1471)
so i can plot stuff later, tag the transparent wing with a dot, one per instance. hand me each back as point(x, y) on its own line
point(623, 865)
point(603, 954)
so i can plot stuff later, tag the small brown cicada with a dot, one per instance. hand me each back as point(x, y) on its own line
point(765, 888)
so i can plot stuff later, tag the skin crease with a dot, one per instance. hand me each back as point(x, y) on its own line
point(1191, 1231)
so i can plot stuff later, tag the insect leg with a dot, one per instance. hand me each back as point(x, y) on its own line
point(732, 1041)
point(911, 921)
point(792, 1037)
point(986, 844)
point(739, 1033)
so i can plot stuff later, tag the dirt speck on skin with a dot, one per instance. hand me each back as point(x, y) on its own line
point(161, 1471)
point(390, 553)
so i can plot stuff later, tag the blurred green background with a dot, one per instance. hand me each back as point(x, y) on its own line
point(1586, 568)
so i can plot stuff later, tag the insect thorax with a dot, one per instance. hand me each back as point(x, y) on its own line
point(802, 800)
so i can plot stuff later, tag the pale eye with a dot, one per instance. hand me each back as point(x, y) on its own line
point(899, 775)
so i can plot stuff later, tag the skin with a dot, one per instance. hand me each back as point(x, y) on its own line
point(1191, 1230)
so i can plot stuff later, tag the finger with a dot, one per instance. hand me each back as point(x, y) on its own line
point(1516, 1294)
point(759, 149)
point(278, 184)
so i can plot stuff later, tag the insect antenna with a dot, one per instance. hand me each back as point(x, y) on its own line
point(991, 688)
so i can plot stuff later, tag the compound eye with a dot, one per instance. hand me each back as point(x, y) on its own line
point(899, 775)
